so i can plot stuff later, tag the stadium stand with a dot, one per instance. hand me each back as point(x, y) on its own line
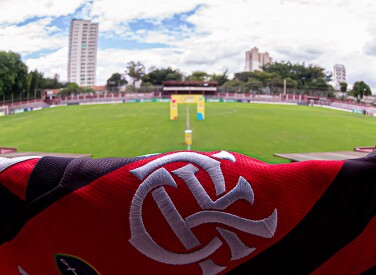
point(108, 98)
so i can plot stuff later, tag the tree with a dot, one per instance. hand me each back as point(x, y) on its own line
point(242, 76)
point(173, 75)
point(328, 76)
point(88, 90)
point(136, 70)
point(267, 79)
point(13, 74)
point(71, 88)
point(157, 76)
point(198, 76)
point(319, 84)
point(233, 83)
point(220, 78)
point(253, 84)
point(283, 69)
point(115, 81)
point(309, 77)
point(147, 85)
point(36, 80)
point(50, 83)
point(361, 89)
point(290, 84)
point(258, 79)
point(343, 87)
point(22, 81)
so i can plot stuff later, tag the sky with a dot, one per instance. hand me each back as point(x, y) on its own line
point(191, 35)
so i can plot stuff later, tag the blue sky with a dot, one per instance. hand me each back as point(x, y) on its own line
point(196, 34)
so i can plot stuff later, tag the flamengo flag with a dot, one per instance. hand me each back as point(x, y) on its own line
point(187, 213)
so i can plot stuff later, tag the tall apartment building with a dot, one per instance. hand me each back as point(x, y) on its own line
point(82, 55)
point(339, 75)
point(255, 60)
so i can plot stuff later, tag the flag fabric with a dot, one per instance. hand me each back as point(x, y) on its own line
point(187, 212)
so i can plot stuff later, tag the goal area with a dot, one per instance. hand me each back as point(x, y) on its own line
point(4, 110)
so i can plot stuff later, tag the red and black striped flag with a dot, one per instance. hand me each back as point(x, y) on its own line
point(187, 213)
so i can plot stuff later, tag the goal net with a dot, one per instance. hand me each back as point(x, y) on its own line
point(4, 110)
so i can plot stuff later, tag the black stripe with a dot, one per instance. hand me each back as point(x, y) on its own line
point(46, 175)
point(10, 206)
point(52, 179)
point(371, 155)
point(371, 271)
point(83, 171)
point(339, 216)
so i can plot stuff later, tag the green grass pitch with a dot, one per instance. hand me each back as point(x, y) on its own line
point(127, 130)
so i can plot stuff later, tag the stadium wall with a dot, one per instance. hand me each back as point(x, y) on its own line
point(21, 107)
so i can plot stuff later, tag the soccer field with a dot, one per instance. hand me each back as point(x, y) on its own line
point(127, 130)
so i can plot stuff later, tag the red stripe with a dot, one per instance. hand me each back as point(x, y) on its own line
point(16, 177)
point(93, 222)
point(359, 255)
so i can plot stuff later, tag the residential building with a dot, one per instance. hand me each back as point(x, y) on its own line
point(100, 89)
point(339, 75)
point(82, 55)
point(255, 60)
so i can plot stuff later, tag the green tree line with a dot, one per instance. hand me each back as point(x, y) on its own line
point(273, 76)
point(16, 80)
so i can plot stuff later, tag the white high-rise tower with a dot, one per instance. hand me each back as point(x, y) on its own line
point(82, 56)
point(254, 60)
point(339, 75)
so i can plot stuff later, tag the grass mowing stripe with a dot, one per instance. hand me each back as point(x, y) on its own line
point(125, 130)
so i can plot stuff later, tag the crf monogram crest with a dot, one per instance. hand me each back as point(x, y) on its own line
point(155, 177)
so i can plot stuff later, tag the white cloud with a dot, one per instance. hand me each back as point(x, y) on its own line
point(111, 13)
point(33, 37)
point(115, 60)
point(319, 32)
point(315, 31)
point(19, 10)
point(370, 47)
point(109, 61)
point(51, 64)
